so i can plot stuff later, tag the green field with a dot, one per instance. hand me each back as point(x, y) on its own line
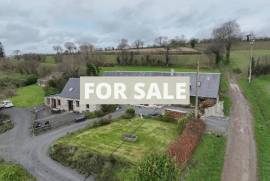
point(28, 96)
point(14, 172)
point(207, 161)
point(240, 58)
point(152, 136)
point(258, 94)
point(156, 68)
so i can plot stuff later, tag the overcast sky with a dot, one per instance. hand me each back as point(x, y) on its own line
point(35, 26)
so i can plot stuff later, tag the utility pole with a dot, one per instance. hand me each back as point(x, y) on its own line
point(197, 88)
point(251, 39)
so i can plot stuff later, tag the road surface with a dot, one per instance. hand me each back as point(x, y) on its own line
point(18, 145)
point(240, 158)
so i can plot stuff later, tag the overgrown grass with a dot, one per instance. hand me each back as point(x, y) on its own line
point(14, 172)
point(258, 94)
point(28, 96)
point(5, 126)
point(152, 135)
point(207, 161)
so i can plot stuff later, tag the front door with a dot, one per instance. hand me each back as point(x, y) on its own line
point(53, 103)
point(70, 105)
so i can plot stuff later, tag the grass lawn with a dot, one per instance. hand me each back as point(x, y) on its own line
point(28, 96)
point(156, 68)
point(207, 161)
point(14, 172)
point(152, 136)
point(258, 94)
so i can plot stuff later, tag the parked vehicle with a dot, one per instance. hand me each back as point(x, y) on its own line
point(6, 104)
point(80, 119)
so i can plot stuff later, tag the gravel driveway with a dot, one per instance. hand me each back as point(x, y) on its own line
point(20, 146)
point(240, 157)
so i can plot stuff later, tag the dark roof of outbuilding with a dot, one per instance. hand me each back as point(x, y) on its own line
point(209, 82)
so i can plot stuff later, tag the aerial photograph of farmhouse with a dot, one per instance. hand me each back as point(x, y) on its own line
point(145, 90)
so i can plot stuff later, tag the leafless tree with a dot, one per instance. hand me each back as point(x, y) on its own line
point(227, 33)
point(138, 44)
point(16, 54)
point(123, 44)
point(86, 48)
point(58, 49)
point(217, 48)
point(70, 46)
point(161, 41)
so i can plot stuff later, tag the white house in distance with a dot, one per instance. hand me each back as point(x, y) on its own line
point(69, 98)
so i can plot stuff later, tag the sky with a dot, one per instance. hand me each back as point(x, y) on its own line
point(35, 26)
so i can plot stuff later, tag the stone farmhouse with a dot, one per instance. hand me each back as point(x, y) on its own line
point(69, 98)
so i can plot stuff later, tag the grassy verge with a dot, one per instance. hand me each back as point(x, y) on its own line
point(207, 161)
point(258, 94)
point(5, 126)
point(14, 172)
point(28, 96)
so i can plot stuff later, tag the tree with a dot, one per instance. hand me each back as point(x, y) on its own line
point(227, 33)
point(161, 41)
point(138, 44)
point(216, 48)
point(16, 54)
point(58, 49)
point(87, 48)
point(2, 52)
point(92, 70)
point(193, 42)
point(70, 46)
point(123, 44)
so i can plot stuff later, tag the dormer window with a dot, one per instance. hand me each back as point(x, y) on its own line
point(70, 89)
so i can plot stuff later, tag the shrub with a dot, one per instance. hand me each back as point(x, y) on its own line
point(50, 91)
point(237, 70)
point(99, 113)
point(157, 167)
point(90, 115)
point(185, 144)
point(167, 117)
point(108, 108)
point(130, 113)
point(181, 124)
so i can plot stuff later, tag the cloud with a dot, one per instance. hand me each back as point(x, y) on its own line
point(35, 26)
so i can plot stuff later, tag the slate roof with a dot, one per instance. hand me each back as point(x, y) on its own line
point(71, 89)
point(209, 82)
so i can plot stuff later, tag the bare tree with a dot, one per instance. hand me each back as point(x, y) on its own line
point(217, 48)
point(227, 33)
point(58, 49)
point(70, 46)
point(138, 44)
point(123, 44)
point(16, 54)
point(86, 48)
point(161, 41)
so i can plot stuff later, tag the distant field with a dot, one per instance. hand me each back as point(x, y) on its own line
point(152, 136)
point(207, 161)
point(240, 58)
point(258, 94)
point(13, 172)
point(28, 96)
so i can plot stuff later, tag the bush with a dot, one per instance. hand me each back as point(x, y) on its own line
point(50, 91)
point(108, 108)
point(181, 124)
point(157, 167)
point(90, 115)
point(167, 117)
point(237, 70)
point(99, 113)
point(31, 79)
point(130, 113)
point(185, 144)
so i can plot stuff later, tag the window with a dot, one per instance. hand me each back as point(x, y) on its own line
point(77, 103)
point(59, 102)
point(87, 106)
point(199, 84)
